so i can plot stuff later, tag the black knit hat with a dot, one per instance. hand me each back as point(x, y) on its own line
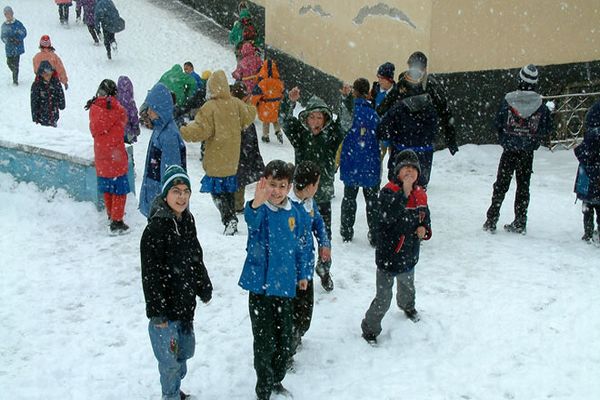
point(107, 88)
point(386, 70)
point(406, 158)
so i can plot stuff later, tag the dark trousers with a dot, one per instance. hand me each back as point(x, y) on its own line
point(521, 163)
point(109, 38)
point(349, 209)
point(271, 319)
point(92, 30)
point(323, 268)
point(303, 309)
point(225, 203)
point(63, 13)
point(588, 218)
point(13, 65)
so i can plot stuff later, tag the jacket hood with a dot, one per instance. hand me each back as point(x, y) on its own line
point(218, 85)
point(316, 104)
point(247, 49)
point(160, 209)
point(245, 13)
point(269, 70)
point(159, 99)
point(525, 102)
point(44, 65)
point(124, 89)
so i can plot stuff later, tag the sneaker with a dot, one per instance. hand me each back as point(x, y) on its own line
point(109, 55)
point(279, 136)
point(265, 139)
point(413, 315)
point(113, 46)
point(489, 226)
point(327, 282)
point(515, 228)
point(278, 388)
point(184, 396)
point(118, 227)
point(230, 228)
point(369, 338)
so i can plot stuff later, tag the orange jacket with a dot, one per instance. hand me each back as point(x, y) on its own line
point(268, 93)
point(54, 60)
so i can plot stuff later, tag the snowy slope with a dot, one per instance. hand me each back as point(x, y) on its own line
point(503, 316)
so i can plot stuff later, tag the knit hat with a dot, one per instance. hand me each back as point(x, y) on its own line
point(107, 88)
point(386, 71)
point(361, 86)
point(45, 42)
point(174, 173)
point(529, 74)
point(8, 10)
point(206, 74)
point(406, 158)
point(417, 59)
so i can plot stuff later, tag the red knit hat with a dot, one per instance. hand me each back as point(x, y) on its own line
point(45, 41)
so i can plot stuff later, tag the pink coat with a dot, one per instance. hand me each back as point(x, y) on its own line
point(248, 66)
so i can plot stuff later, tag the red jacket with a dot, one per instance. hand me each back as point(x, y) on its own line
point(107, 126)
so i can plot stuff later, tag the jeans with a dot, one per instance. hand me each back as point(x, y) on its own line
point(405, 298)
point(172, 346)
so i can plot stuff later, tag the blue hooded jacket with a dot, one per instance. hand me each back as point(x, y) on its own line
point(165, 147)
point(107, 16)
point(12, 36)
point(587, 184)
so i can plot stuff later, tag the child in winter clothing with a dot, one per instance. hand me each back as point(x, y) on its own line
point(315, 137)
point(587, 184)
point(107, 125)
point(47, 53)
point(180, 83)
point(244, 31)
point(13, 35)
point(63, 10)
point(275, 266)
point(173, 274)
point(47, 96)
point(306, 183)
point(248, 66)
point(219, 123)
point(199, 96)
point(403, 221)
point(125, 97)
point(360, 164)
point(251, 163)
point(88, 18)
point(523, 123)
point(165, 148)
point(267, 96)
point(106, 16)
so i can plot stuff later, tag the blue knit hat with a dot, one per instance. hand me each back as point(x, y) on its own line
point(386, 71)
point(173, 174)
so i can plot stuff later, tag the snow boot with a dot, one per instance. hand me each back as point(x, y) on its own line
point(118, 227)
point(370, 338)
point(279, 389)
point(515, 227)
point(184, 396)
point(413, 315)
point(279, 136)
point(327, 282)
point(265, 139)
point(230, 228)
point(489, 226)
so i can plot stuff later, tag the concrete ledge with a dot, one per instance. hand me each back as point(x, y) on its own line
point(51, 169)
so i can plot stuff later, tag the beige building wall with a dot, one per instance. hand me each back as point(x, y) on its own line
point(457, 35)
point(327, 34)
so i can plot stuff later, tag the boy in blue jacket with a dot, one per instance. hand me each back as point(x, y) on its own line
point(306, 184)
point(275, 265)
point(13, 35)
point(403, 221)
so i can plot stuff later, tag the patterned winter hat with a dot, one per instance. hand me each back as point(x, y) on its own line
point(406, 158)
point(386, 71)
point(45, 42)
point(173, 174)
point(529, 74)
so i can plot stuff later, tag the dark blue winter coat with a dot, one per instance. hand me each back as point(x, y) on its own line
point(523, 121)
point(398, 217)
point(107, 17)
point(12, 36)
point(588, 154)
point(47, 98)
point(360, 163)
point(165, 147)
point(276, 258)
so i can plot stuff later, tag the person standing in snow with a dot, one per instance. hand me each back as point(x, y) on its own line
point(219, 124)
point(47, 52)
point(267, 96)
point(275, 266)
point(403, 221)
point(384, 92)
point(106, 16)
point(360, 163)
point(315, 137)
point(13, 36)
point(165, 147)
point(523, 123)
point(248, 66)
point(587, 183)
point(88, 18)
point(47, 96)
point(63, 10)
point(107, 125)
point(173, 274)
point(199, 97)
point(127, 100)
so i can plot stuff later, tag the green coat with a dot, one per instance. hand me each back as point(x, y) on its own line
point(180, 83)
point(321, 148)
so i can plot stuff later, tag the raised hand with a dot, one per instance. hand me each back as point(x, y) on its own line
point(262, 194)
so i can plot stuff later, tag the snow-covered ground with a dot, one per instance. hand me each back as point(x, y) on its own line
point(503, 316)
